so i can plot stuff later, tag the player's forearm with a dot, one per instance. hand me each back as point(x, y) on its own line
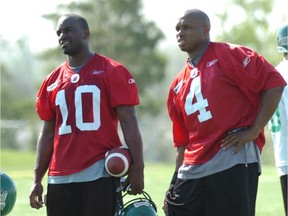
point(180, 157)
point(270, 101)
point(44, 151)
point(42, 163)
point(131, 133)
point(134, 143)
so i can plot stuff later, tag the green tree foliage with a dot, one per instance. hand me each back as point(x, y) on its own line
point(17, 95)
point(248, 22)
point(119, 30)
point(17, 89)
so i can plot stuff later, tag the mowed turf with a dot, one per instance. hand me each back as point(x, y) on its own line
point(19, 165)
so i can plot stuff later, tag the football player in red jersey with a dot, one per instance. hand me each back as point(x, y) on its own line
point(279, 121)
point(81, 102)
point(219, 104)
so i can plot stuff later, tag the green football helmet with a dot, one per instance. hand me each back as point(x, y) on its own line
point(282, 39)
point(141, 206)
point(7, 194)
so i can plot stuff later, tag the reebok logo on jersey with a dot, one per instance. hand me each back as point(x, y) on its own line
point(131, 81)
point(52, 86)
point(246, 61)
point(209, 64)
point(97, 72)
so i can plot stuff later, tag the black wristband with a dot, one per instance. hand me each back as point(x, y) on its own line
point(174, 178)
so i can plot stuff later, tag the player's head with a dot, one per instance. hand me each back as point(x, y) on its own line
point(192, 31)
point(282, 39)
point(73, 33)
point(7, 194)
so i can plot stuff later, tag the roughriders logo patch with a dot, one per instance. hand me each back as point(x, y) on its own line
point(131, 81)
point(75, 78)
point(3, 196)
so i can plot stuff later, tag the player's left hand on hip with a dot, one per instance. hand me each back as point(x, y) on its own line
point(237, 139)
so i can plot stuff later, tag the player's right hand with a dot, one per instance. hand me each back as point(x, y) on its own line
point(165, 207)
point(134, 181)
point(36, 196)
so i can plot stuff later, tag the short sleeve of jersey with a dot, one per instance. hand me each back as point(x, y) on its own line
point(180, 133)
point(250, 71)
point(122, 87)
point(43, 102)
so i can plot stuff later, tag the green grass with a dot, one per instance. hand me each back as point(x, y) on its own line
point(19, 165)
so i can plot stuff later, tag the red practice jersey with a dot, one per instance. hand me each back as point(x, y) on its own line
point(222, 93)
point(84, 106)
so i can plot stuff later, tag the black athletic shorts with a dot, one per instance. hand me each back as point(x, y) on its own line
point(95, 198)
point(231, 192)
point(284, 183)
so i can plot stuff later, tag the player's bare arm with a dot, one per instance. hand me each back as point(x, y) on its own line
point(270, 100)
point(180, 157)
point(131, 133)
point(44, 153)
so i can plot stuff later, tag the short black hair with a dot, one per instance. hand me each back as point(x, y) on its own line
point(83, 22)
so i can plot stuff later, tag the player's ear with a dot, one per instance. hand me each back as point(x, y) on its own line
point(206, 30)
point(86, 34)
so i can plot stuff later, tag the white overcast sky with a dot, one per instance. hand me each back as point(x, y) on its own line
point(19, 18)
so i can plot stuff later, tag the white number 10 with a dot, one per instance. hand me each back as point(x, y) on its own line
point(200, 105)
point(80, 124)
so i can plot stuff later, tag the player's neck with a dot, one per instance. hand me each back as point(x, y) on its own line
point(80, 58)
point(195, 56)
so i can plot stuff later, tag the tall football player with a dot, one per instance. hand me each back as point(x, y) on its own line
point(279, 121)
point(219, 104)
point(80, 103)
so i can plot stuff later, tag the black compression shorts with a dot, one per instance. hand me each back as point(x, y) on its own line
point(93, 198)
point(230, 192)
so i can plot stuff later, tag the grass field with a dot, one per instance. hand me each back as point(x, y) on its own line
point(19, 166)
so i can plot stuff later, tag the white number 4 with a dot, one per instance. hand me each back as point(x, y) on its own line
point(200, 105)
